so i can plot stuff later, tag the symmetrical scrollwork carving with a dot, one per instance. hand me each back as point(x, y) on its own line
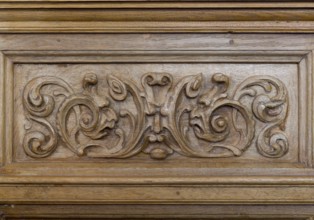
point(270, 106)
point(158, 117)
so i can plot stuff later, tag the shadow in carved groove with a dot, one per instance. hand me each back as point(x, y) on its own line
point(165, 116)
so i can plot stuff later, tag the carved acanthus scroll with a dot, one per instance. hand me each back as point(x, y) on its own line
point(159, 117)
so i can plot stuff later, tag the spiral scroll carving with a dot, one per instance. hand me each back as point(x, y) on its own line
point(158, 116)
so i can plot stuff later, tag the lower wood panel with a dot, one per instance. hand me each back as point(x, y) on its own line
point(154, 194)
point(142, 211)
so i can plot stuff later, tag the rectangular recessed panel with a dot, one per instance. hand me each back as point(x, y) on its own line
point(163, 114)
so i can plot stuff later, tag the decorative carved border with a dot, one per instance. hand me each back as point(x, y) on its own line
point(158, 118)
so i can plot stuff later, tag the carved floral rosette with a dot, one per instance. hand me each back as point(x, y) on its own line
point(159, 118)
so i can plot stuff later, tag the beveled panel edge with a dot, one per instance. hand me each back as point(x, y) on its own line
point(8, 105)
point(151, 56)
point(2, 108)
point(306, 65)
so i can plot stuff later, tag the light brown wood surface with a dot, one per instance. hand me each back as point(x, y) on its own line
point(156, 109)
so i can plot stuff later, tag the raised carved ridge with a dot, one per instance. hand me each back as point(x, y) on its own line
point(159, 117)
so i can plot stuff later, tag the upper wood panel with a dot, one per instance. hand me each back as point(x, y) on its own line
point(155, 16)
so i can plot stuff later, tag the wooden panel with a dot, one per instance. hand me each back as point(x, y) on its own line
point(160, 116)
point(227, 126)
point(139, 120)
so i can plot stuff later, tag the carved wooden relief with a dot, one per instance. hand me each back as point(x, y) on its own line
point(85, 108)
point(188, 119)
point(160, 115)
point(156, 109)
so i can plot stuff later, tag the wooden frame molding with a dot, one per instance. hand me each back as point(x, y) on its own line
point(155, 16)
point(12, 58)
point(212, 212)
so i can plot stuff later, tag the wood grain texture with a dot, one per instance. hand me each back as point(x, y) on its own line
point(153, 127)
point(67, 178)
point(124, 58)
point(144, 211)
point(155, 16)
